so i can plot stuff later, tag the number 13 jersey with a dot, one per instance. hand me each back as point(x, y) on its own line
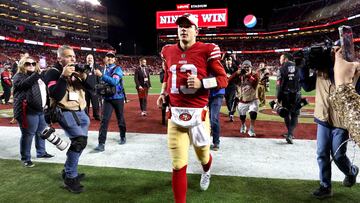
point(201, 59)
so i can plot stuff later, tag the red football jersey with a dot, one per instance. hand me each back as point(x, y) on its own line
point(196, 60)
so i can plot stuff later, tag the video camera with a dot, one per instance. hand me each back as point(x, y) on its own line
point(284, 112)
point(317, 57)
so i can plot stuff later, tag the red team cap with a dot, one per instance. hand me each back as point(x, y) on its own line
point(189, 18)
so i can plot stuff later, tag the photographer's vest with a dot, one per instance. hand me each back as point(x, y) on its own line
point(67, 104)
point(324, 110)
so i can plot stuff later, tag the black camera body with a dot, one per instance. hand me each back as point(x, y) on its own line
point(284, 112)
point(79, 68)
point(243, 71)
point(105, 89)
point(280, 110)
point(52, 114)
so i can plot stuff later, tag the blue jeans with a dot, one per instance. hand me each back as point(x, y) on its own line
point(74, 128)
point(215, 105)
point(328, 141)
point(36, 124)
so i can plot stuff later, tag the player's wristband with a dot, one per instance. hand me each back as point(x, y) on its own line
point(209, 83)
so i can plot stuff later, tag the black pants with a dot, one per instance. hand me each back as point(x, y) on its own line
point(108, 107)
point(291, 121)
point(291, 101)
point(91, 96)
point(230, 99)
point(7, 92)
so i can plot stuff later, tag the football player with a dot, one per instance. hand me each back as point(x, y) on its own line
point(188, 66)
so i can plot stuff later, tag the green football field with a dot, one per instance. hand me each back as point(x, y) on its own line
point(43, 184)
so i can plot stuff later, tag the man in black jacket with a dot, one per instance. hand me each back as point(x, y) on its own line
point(142, 82)
point(288, 93)
point(90, 93)
point(230, 91)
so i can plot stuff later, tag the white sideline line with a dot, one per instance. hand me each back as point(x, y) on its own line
point(247, 157)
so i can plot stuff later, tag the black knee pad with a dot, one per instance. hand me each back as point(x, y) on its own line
point(253, 115)
point(78, 143)
point(242, 117)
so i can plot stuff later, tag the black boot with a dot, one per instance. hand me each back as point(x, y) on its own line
point(81, 176)
point(73, 185)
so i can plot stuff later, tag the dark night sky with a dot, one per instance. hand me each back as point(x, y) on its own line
point(133, 21)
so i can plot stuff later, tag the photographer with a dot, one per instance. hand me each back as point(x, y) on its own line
point(263, 83)
point(65, 83)
point(288, 93)
point(29, 102)
point(6, 85)
point(112, 76)
point(92, 81)
point(331, 133)
point(230, 90)
point(246, 81)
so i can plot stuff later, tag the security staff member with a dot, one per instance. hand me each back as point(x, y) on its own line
point(230, 91)
point(288, 93)
point(66, 90)
point(90, 93)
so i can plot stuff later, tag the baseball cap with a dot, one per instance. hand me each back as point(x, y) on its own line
point(110, 54)
point(246, 63)
point(188, 17)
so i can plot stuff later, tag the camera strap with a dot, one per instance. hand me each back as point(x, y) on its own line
point(77, 120)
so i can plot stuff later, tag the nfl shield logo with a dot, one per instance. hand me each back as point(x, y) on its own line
point(183, 55)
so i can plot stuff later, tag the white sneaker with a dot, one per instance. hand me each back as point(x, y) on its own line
point(205, 180)
point(251, 132)
point(243, 129)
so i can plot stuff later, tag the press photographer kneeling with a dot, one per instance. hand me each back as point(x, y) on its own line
point(66, 82)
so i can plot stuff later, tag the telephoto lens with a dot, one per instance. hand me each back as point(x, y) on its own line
point(49, 134)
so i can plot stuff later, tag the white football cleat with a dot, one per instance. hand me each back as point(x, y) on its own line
point(205, 180)
point(251, 132)
point(243, 129)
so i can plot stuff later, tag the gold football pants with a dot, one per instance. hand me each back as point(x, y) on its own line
point(179, 142)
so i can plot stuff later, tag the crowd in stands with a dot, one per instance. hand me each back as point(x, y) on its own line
point(309, 14)
point(45, 35)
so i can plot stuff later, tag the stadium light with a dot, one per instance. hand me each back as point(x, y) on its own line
point(93, 2)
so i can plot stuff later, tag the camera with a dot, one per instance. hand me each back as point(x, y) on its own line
point(318, 56)
point(243, 71)
point(52, 114)
point(49, 134)
point(79, 68)
point(303, 102)
point(280, 110)
point(105, 89)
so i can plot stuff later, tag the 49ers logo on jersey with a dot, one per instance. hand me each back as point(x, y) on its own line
point(185, 117)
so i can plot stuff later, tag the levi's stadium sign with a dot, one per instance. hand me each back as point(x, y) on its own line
point(207, 17)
